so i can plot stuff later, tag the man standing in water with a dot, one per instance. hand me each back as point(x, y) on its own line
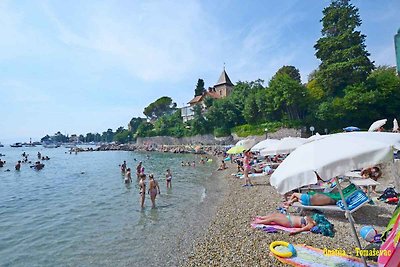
point(128, 178)
point(123, 167)
point(139, 170)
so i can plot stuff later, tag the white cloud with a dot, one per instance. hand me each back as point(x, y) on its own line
point(165, 42)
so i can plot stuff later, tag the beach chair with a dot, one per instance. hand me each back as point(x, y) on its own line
point(355, 199)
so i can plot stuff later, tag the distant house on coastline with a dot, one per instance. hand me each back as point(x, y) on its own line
point(221, 89)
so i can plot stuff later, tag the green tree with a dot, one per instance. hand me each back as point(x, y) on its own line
point(224, 114)
point(199, 87)
point(341, 49)
point(208, 101)
point(108, 136)
point(134, 123)
point(242, 90)
point(145, 129)
point(45, 138)
point(291, 71)
point(287, 97)
point(199, 124)
point(160, 107)
point(251, 112)
point(123, 136)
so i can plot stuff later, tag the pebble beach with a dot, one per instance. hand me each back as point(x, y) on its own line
point(229, 239)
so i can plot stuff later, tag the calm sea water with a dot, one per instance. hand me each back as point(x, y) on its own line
point(78, 212)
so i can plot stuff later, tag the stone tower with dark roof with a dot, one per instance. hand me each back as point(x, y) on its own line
point(224, 86)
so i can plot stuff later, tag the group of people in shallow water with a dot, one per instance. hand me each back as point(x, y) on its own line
point(37, 165)
point(153, 189)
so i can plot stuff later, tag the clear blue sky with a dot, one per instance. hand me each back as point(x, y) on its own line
point(86, 66)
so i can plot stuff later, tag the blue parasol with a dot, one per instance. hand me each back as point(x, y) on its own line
point(351, 129)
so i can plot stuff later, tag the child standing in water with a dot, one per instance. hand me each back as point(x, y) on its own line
point(168, 177)
point(142, 188)
point(153, 189)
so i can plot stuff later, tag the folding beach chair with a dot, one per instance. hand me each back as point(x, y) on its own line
point(355, 199)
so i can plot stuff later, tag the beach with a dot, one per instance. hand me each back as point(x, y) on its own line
point(230, 240)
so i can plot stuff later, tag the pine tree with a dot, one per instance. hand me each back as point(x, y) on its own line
point(341, 49)
point(199, 88)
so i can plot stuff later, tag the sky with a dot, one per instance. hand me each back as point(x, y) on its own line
point(86, 66)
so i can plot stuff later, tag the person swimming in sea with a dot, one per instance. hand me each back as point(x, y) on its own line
point(142, 188)
point(168, 177)
point(154, 188)
point(18, 165)
point(38, 166)
point(128, 178)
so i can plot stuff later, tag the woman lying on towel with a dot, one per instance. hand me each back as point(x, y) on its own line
point(302, 223)
point(310, 200)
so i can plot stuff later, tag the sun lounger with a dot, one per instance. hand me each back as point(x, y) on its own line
point(354, 201)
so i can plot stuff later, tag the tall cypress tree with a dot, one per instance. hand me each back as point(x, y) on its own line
point(341, 49)
point(199, 88)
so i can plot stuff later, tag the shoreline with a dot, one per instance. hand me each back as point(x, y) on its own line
point(229, 239)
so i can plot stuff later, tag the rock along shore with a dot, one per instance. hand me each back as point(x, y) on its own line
point(207, 149)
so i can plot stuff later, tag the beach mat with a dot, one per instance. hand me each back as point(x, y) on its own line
point(277, 227)
point(314, 257)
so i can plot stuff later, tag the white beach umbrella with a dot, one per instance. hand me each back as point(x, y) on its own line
point(315, 137)
point(376, 125)
point(333, 156)
point(395, 126)
point(284, 146)
point(246, 143)
point(263, 144)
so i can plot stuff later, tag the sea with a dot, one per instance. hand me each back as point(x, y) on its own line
point(77, 211)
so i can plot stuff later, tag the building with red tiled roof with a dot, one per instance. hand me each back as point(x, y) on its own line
point(221, 89)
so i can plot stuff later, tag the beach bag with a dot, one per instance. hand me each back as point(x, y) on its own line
point(388, 193)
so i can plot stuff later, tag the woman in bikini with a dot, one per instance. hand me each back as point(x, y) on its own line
point(142, 188)
point(304, 223)
point(168, 177)
point(153, 189)
point(247, 168)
